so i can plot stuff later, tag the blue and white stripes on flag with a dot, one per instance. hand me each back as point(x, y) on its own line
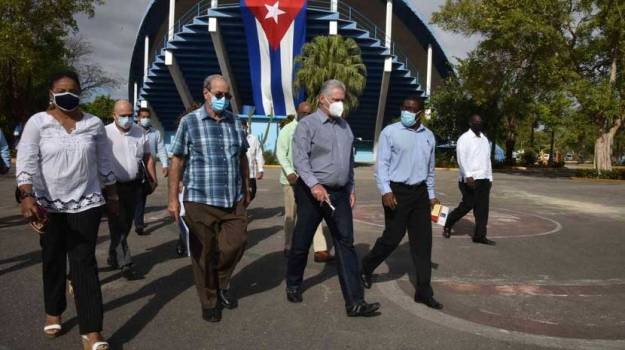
point(275, 32)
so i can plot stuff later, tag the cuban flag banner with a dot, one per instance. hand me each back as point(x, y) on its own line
point(275, 31)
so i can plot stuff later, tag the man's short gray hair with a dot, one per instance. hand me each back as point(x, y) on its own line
point(330, 85)
point(209, 79)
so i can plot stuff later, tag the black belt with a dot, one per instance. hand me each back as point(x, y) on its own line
point(335, 189)
point(410, 187)
point(134, 182)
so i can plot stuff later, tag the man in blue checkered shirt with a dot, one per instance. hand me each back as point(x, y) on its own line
point(210, 145)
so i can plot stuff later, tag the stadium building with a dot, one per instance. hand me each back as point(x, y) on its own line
point(180, 42)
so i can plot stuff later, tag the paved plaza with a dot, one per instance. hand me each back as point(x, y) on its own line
point(556, 279)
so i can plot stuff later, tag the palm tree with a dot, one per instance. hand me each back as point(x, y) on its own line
point(331, 57)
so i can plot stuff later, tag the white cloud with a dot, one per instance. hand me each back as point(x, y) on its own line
point(112, 33)
point(113, 29)
point(454, 45)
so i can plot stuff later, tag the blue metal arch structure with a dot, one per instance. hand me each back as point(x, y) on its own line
point(194, 52)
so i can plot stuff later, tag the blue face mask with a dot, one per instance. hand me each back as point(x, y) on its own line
point(219, 104)
point(124, 122)
point(408, 119)
point(145, 122)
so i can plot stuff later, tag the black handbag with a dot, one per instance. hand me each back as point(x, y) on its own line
point(147, 183)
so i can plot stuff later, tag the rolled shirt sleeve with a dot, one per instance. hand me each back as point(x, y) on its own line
point(430, 180)
point(301, 147)
point(104, 150)
point(28, 156)
point(383, 164)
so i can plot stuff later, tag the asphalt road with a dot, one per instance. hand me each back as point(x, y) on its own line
point(554, 280)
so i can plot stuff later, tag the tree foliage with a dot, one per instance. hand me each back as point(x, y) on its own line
point(102, 107)
point(331, 57)
point(34, 44)
point(542, 58)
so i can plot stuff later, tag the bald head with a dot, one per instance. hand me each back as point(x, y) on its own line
point(122, 107)
point(122, 112)
point(303, 109)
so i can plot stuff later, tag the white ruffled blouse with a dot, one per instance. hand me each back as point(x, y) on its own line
point(67, 170)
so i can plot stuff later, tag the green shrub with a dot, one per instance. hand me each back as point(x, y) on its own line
point(446, 159)
point(617, 174)
point(270, 158)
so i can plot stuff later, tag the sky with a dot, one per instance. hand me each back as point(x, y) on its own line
point(113, 29)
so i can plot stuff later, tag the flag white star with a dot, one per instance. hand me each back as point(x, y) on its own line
point(274, 11)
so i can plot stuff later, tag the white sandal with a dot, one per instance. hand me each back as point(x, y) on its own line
point(52, 327)
point(99, 345)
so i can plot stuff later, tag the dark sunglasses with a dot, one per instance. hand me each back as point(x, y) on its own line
point(222, 94)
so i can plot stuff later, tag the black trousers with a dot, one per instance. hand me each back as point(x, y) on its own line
point(142, 198)
point(340, 223)
point(73, 236)
point(120, 225)
point(473, 199)
point(253, 188)
point(413, 213)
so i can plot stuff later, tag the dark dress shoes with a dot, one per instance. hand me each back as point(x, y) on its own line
point(429, 302)
point(367, 280)
point(323, 257)
point(294, 295)
point(483, 240)
point(446, 232)
point(363, 309)
point(180, 250)
point(227, 300)
point(141, 231)
point(130, 274)
point(212, 315)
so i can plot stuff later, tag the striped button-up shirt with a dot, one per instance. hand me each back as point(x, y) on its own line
point(212, 173)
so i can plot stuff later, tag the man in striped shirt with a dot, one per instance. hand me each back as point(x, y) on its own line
point(216, 176)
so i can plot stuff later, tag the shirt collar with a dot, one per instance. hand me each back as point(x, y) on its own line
point(324, 118)
point(475, 136)
point(120, 131)
point(421, 128)
point(202, 114)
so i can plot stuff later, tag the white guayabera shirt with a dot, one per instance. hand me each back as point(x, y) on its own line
point(128, 149)
point(67, 170)
point(473, 153)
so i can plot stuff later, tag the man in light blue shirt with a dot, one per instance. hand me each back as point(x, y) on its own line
point(5, 155)
point(405, 177)
point(157, 148)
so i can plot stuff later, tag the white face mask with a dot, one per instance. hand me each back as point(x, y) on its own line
point(336, 109)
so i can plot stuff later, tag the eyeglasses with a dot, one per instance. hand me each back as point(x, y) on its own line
point(125, 115)
point(222, 94)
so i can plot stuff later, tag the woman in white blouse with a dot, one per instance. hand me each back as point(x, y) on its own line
point(62, 166)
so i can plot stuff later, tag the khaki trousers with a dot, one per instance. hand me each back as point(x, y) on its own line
point(217, 241)
point(290, 215)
